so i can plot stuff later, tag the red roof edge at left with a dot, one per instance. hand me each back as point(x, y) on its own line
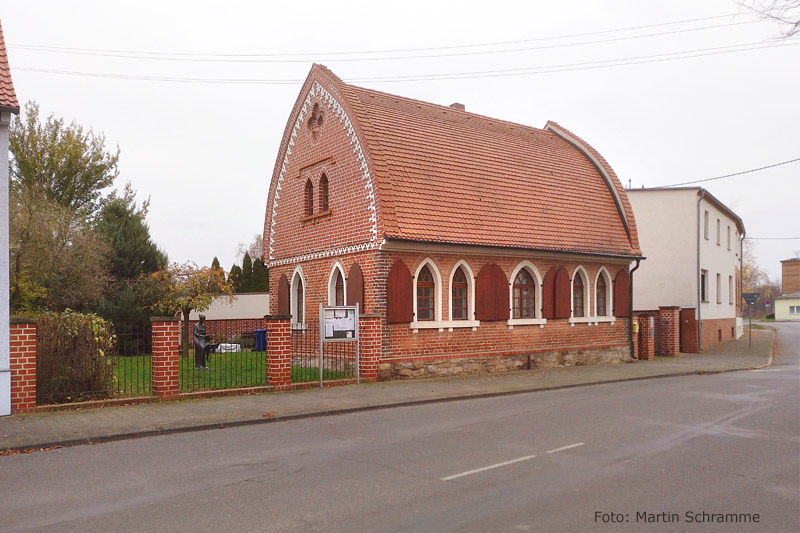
point(8, 97)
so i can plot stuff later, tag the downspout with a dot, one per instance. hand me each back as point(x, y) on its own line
point(630, 308)
point(699, 288)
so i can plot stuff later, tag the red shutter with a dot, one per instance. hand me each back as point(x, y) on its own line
point(399, 288)
point(549, 294)
point(283, 295)
point(491, 294)
point(563, 294)
point(622, 304)
point(355, 287)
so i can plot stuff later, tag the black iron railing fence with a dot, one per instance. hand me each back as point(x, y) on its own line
point(338, 358)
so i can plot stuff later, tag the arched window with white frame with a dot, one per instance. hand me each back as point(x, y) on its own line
point(336, 286)
point(525, 295)
point(427, 296)
point(580, 293)
point(603, 295)
point(462, 295)
point(297, 298)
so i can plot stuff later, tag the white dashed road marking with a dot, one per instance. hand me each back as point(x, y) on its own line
point(565, 447)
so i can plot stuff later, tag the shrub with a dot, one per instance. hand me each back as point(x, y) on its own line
point(72, 361)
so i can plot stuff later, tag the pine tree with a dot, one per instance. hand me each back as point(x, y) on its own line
point(234, 275)
point(260, 277)
point(246, 279)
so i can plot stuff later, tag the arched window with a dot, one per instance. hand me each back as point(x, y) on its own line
point(297, 298)
point(524, 295)
point(323, 193)
point(459, 289)
point(601, 296)
point(578, 296)
point(338, 289)
point(309, 198)
point(425, 295)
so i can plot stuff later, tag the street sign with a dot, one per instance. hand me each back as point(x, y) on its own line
point(750, 297)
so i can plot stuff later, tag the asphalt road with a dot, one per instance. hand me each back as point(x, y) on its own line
point(608, 458)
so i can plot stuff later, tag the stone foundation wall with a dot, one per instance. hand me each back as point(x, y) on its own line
point(445, 366)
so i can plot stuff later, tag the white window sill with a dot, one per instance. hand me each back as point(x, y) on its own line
point(296, 326)
point(441, 325)
point(511, 322)
point(591, 320)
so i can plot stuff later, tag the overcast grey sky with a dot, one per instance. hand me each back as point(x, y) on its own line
point(684, 101)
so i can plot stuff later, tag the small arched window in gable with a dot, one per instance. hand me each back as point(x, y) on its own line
point(524, 295)
point(425, 294)
point(459, 289)
point(309, 198)
point(601, 296)
point(323, 193)
point(578, 295)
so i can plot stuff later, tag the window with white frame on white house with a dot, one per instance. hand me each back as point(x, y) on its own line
point(705, 225)
point(719, 289)
point(730, 290)
point(729, 237)
point(719, 232)
point(794, 309)
point(703, 285)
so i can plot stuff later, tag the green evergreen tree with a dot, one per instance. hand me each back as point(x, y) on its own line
point(260, 277)
point(215, 263)
point(133, 257)
point(234, 275)
point(246, 279)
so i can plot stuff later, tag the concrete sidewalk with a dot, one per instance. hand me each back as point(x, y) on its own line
point(64, 428)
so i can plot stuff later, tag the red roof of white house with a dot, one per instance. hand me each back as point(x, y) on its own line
point(445, 175)
point(8, 98)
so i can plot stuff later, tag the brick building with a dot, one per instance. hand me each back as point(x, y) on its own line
point(787, 305)
point(482, 245)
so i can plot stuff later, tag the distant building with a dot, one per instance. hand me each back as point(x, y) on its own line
point(787, 305)
point(8, 106)
point(692, 243)
point(251, 306)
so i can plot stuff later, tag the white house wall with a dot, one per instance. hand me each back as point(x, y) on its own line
point(666, 223)
point(718, 259)
point(247, 305)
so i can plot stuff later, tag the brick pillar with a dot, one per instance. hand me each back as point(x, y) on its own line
point(369, 346)
point(647, 336)
point(668, 334)
point(22, 362)
point(279, 351)
point(164, 367)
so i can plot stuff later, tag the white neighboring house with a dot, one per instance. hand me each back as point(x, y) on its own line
point(244, 306)
point(693, 244)
point(8, 106)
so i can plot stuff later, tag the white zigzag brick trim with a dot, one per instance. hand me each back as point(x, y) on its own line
point(318, 90)
point(355, 248)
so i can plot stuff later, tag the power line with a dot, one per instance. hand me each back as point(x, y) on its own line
point(734, 174)
point(773, 238)
point(184, 55)
point(568, 67)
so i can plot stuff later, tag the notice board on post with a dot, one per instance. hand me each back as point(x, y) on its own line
point(339, 323)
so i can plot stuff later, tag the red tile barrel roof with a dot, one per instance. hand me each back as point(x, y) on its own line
point(450, 176)
point(8, 98)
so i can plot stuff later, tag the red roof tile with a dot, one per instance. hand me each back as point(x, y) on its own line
point(445, 175)
point(8, 98)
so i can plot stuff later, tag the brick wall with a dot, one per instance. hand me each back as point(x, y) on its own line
point(717, 331)
point(369, 346)
point(22, 359)
point(165, 357)
point(279, 351)
point(790, 276)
